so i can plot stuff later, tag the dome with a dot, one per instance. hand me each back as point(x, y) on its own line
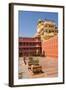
point(40, 21)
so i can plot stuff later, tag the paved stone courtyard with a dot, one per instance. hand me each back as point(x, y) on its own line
point(49, 68)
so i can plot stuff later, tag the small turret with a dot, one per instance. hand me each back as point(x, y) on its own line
point(40, 25)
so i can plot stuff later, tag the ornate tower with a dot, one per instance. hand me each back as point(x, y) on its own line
point(46, 29)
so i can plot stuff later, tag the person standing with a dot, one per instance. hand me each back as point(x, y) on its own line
point(24, 60)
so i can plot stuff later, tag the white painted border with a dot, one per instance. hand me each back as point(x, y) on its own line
point(60, 46)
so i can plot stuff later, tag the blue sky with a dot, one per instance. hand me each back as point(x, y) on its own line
point(28, 21)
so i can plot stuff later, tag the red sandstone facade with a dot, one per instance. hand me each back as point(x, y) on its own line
point(50, 47)
point(30, 46)
point(36, 47)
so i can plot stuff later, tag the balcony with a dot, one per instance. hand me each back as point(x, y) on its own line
point(30, 46)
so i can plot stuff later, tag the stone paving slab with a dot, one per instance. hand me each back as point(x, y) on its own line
point(49, 67)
